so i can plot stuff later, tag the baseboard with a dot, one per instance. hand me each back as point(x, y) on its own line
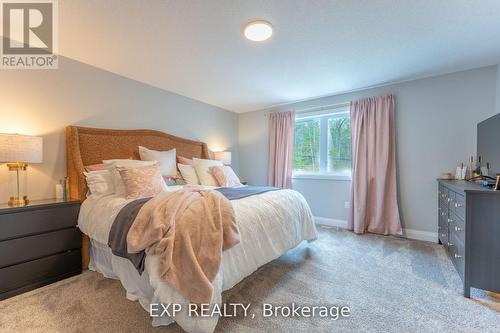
point(408, 233)
point(421, 235)
point(330, 222)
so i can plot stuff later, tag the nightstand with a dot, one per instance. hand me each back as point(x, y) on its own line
point(39, 244)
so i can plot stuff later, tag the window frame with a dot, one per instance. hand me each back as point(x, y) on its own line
point(323, 116)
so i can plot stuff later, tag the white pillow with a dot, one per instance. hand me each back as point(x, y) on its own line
point(166, 159)
point(202, 168)
point(189, 174)
point(100, 182)
point(225, 176)
point(115, 174)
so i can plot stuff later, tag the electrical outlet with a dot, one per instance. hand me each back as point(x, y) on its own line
point(347, 205)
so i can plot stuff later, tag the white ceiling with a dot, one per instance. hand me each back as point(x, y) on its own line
point(319, 47)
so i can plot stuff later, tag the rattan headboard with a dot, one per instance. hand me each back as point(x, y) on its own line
point(87, 146)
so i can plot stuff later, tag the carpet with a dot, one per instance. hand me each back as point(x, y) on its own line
point(390, 285)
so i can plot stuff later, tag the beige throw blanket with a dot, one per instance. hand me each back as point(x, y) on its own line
point(188, 229)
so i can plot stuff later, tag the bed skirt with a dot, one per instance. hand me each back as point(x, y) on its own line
point(138, 287)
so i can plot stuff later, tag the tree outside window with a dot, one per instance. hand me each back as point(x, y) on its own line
point(306, 146)
point(339, 145)
point(323, 144)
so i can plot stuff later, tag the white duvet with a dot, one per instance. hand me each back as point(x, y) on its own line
point(269, 223)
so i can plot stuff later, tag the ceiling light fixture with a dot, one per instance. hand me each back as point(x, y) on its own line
point(258, 31)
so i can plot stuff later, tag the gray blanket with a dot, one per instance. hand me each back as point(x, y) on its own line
point(117, 239)
point(234, 193)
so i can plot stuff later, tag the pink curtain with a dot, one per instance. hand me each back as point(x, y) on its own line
point(281, 135)
point(374, 204)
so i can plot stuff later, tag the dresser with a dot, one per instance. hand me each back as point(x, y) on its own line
point(39, 244)
point(469, 229)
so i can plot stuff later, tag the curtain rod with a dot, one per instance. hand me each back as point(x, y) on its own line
point(324, 107)
point(317, 108)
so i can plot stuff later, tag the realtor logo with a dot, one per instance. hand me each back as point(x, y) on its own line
point(29, 34)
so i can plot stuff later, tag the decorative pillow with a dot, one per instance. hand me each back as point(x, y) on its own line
point(184, 160)
point(172, 181)
point(189, 174)
point(115, 174)
point(143, 181)
point(202, 170)
point(95, 167)
point(166, 159)
point(225, 176)
point(100, 182)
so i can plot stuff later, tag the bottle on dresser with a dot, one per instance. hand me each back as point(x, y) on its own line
point(470, 168)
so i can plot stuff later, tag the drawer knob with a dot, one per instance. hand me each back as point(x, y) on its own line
point(443, 195)
point(459, 229)
point(457, 256)
point(450, 221)
point(457, 205)
point(450, 199)
point(450, 244)
point(443, 213)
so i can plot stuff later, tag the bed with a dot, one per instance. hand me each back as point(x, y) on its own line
point(270, 223)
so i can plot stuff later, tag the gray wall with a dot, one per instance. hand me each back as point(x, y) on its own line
point(436, 129)
point(43, 102)
point(326, 197)
point(498, 88)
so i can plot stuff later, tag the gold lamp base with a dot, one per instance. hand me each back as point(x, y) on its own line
point(18, 199)
point(17, 166)
point(18, 202)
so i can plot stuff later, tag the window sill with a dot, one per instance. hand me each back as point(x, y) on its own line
point(321, 176)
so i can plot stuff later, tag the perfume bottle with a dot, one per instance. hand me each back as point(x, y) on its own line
point(470, 167)
point(477, 171)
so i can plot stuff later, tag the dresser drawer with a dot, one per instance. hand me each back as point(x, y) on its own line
point(19, 250)
point(450, 199)
point(443, 236)
point(36, 273)
point(443, 193)
point(443, 210)
point(457, 254)
point(457, 228)
point(443, 230)
point(31, 222)
point(443, 205)
point(459, 205)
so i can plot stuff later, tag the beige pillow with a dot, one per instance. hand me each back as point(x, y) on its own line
point(225, 176)
point(95, 167)
point(202, 170)
point(189, 174)
point(184, 160)
point(100, 183)
point(166, 159)
point(143, 181)
point(117, 179)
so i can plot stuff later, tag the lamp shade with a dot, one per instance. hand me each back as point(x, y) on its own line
point(21, 148)
point(224, 156)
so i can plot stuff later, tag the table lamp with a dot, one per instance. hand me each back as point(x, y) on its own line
point(223, 156)
point(19, 150)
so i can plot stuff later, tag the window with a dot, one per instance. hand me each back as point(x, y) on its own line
point(306, 145)
point(322, 144)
